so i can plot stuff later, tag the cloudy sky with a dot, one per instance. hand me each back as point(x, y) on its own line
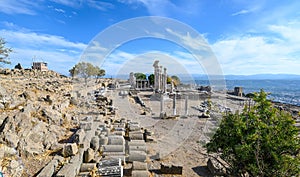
point(245, 37)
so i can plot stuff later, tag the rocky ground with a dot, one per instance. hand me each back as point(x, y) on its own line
point(41, 111)
point(38, 113)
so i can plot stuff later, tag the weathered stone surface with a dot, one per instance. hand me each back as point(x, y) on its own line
point(49, 169)
point(136, 143)
point(138, 148)
point(103, 140)
point(114, 148)
point(50, 140)
point(41, 116)
point(15, 168)
point(94, 143)
point(136, 136)
point(119, 133)
point(79, 136)
point(215, 167)
point(11, 138)
point(139, 165)
point(88, 155)
point(86, 126)
point(87, 167)
point(111, 171)
point(116, 140)
point(67, 170)
point(137, 156)
point(69, 149)
point(140, 173)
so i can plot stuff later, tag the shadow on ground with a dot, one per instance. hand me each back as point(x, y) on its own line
point(202, 171)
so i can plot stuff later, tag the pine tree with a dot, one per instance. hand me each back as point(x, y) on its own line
point(260, 141)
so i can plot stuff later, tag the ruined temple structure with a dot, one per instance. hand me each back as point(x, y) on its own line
point(238, 91)
point(160, 78)
point(42, 66)
point(138, 83)
point(132, 80)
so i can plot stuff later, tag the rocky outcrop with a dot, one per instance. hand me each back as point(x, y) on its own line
point(39, 111)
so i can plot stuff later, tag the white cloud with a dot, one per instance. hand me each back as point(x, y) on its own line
point(194, 42)
point(241, 12)
point(100, 5)
point(59, 10)
point(274, 51)
point(167, 8)
point(59, 61)
point(73, 3)
point(177, 62)
point(18, 7)
point(31, 39)
point(59, 53)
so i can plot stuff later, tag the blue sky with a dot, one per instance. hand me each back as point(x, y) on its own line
point(247, 37)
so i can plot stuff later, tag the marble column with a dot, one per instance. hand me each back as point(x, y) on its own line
point(132, 80)
point(160, 79)
point(162, 112)
point(186, 105)
point(156, 75)
point(165, 81)
point(174, 104)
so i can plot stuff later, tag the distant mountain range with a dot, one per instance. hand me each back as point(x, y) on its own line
point(251, 77)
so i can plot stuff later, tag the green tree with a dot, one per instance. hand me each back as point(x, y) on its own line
point(98, 73)
point(86, 70)
point(260, 141)
point(73, 71)
point(169, 80)
point(4, 52)
point(151, 79)
point(141, 76)
point(175, 80)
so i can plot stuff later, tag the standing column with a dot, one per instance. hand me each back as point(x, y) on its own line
point(165, 81)
point(174, 105)
point(157, 78)
point(160, 79)
point(162, 113)
point(156, 74)
point(186, 105)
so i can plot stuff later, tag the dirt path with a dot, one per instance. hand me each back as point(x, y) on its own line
point(177, 141)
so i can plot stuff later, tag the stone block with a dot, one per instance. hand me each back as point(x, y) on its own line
point(137, 143)
point(119, 133)
point(170, 169)
point(114, 148)
point(103, 140)
point(215, 167)
point(88, 155)
point(94, 144)
point(68, 170)
point(138, 148)
point(49, 169)
point(79, 136)
point(69, 149)
point(87, 167)
point(139, 166)
point(137, 156)
point(86, 126)
point(139, 173)
point(116, 140)
point(136, 136)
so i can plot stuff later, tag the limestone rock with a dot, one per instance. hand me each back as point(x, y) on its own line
point(94, 143)
point(215, 167)
point(69, 149)
point(88, 155)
